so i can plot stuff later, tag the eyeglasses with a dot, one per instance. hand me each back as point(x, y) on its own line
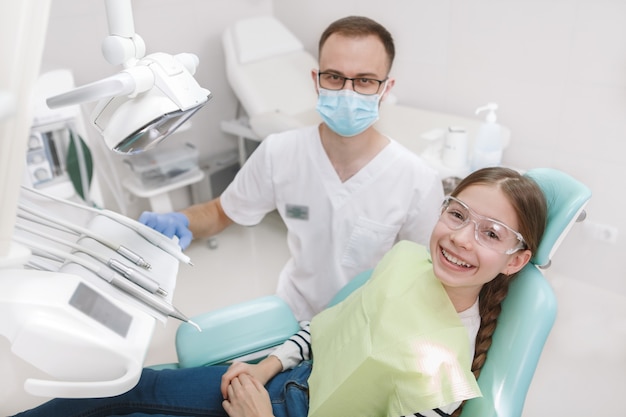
point(365, 86)
point(488, 232)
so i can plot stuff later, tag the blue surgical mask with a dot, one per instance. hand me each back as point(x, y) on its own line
point(347, 113)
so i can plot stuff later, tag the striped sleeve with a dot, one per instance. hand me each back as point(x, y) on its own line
point(295, 349)
point(437, 412)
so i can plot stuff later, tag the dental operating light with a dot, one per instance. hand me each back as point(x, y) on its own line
point(149, 99)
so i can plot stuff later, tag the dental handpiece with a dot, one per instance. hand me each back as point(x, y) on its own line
point(137, 277)
point(157, 303)
point(132, 256)
point(142, 295)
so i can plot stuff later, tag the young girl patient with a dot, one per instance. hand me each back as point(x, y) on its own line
point(488, 229)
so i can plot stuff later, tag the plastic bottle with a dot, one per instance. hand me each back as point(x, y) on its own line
point(488, 143)
point(454, 154)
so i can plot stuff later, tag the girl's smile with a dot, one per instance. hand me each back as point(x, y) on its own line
point(454, 260)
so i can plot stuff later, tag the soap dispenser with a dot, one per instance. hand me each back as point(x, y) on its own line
point(488, 142)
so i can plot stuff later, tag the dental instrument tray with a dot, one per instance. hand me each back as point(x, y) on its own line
point(158, 166)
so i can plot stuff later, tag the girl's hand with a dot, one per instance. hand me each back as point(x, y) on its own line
point(247, 397)
point(262, 372)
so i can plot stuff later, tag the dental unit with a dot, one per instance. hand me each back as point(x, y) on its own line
point(79, 315)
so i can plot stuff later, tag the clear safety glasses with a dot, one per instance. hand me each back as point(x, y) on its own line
point(488, 232)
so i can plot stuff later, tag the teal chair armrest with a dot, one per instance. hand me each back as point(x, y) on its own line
point(235, 331)
point(246, 331)
point(528, 314)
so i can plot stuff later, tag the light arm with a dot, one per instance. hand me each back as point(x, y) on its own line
point(123, 46)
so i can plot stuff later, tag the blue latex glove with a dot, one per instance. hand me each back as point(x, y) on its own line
point(170, 224)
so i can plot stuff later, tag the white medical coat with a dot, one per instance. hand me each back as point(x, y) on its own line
point(335, 229)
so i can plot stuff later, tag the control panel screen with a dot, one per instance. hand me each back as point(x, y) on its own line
point(96, 306)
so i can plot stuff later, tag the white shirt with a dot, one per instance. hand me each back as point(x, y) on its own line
point(335, 229)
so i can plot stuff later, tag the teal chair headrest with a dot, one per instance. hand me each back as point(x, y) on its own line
point(566, 198)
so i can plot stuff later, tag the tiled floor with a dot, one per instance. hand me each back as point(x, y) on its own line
point(582, 370)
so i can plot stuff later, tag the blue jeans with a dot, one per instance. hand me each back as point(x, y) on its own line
point(182, 392)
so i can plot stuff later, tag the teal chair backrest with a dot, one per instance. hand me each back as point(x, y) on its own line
point(527, 316)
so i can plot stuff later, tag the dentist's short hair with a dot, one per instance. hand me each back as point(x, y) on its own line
point(358, 26)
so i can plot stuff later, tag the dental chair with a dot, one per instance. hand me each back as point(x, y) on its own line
point(269, 71)
point(249, 330)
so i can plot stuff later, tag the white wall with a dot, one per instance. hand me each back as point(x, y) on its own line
point(557, 69)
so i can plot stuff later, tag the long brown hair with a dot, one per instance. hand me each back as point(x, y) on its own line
point(530, 207)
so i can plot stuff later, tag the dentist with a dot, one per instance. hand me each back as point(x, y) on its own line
point(345, 191)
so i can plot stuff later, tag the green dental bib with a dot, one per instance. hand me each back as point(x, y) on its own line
point(392, 348)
